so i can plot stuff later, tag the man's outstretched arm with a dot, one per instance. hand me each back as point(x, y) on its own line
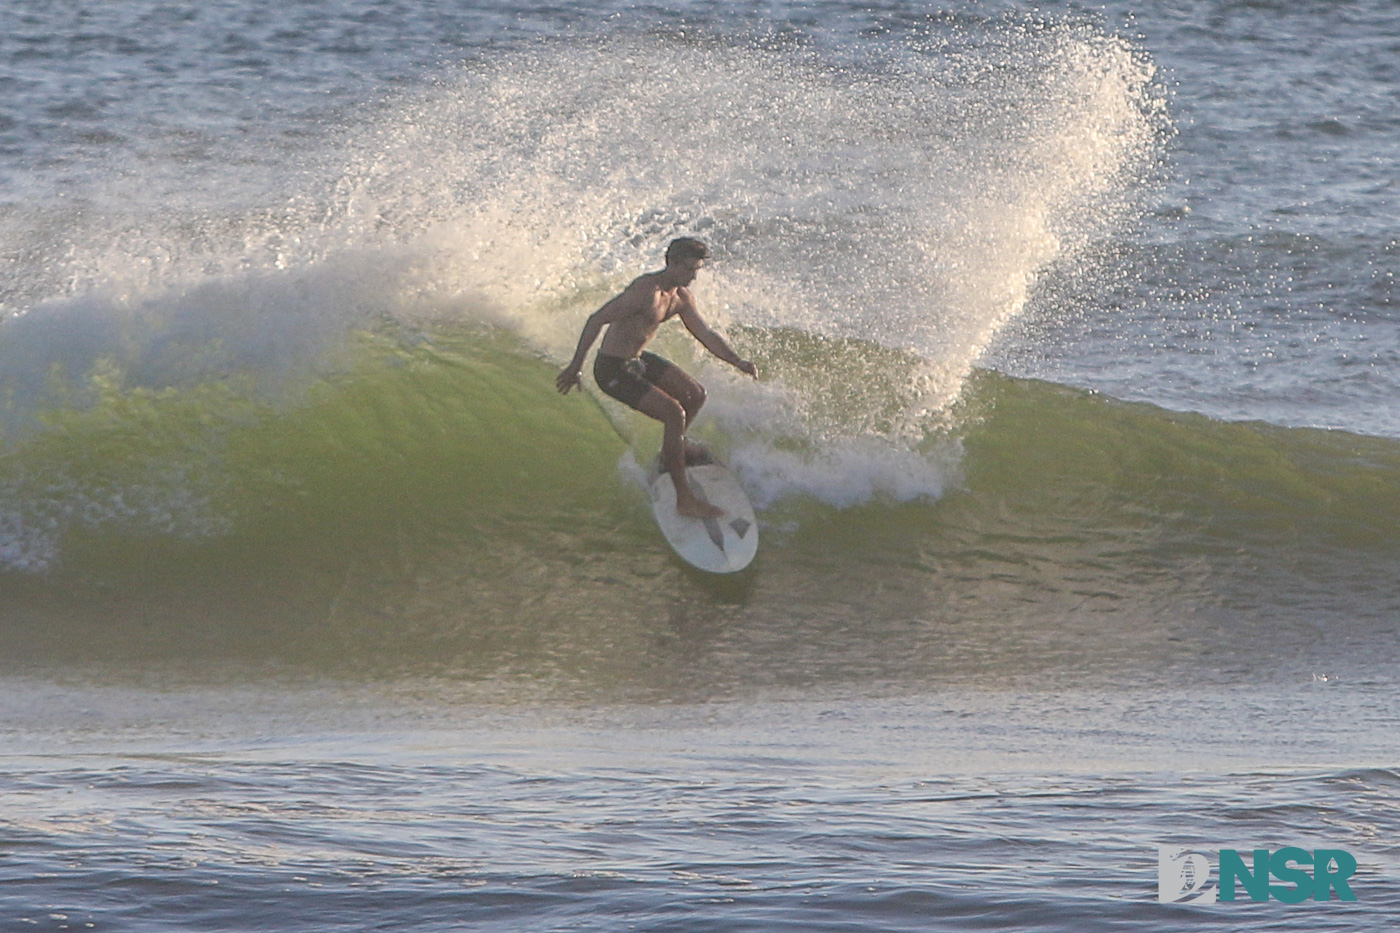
point(712, 341)
point(569, 376)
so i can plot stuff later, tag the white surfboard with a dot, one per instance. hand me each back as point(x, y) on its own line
point(719, 545)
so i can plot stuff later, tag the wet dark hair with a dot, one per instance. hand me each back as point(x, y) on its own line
point(686, 247)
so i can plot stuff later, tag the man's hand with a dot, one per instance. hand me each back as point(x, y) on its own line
point(747, 368)
point(568, 379)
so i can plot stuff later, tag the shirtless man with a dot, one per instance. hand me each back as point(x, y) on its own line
point(647, 382)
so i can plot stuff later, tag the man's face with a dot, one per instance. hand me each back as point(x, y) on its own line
point(686, 270)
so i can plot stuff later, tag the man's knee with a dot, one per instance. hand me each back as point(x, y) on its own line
point(694, 399)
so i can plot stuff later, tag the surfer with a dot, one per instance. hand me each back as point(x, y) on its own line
point(649, 383)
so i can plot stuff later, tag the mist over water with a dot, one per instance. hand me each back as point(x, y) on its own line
point(876, 218)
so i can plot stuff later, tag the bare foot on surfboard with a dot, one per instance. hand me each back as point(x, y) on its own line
point(698, 508)
point(697, 454)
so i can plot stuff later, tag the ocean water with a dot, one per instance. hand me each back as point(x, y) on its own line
point(1076, 458)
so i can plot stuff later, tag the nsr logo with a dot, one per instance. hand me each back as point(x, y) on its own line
point(1182, 875)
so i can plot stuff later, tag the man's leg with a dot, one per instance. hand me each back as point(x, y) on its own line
point(672, 415)
point(682, 387)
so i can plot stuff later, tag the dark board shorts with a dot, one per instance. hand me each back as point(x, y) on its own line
point(628, 380)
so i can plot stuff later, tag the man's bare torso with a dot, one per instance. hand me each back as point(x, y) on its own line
point(649, 305)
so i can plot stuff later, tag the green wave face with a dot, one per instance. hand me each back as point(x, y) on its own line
point(1207, 480)
point(439, 505)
